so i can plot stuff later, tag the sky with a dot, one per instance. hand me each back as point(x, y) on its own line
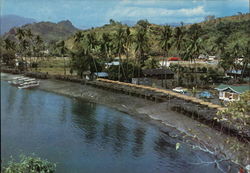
point(92, 13)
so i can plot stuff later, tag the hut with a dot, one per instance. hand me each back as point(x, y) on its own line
point(231, 92)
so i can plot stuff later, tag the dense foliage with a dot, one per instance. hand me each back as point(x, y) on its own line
point(29, 164)
point(237, 111)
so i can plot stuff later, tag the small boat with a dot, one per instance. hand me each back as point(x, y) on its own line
point(180, 90)
point(29, 84)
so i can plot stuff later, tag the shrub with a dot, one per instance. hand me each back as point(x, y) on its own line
point(29, 164)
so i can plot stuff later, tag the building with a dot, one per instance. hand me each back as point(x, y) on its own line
point(231, 92)
point(101, 74)
point(165, 62)
point(238, 73)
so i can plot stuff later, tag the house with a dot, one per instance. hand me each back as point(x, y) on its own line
point(231, 92)
point(237, 73)
point(212, 58)
point(158, 73)
point(114, 63)
point(164, 62)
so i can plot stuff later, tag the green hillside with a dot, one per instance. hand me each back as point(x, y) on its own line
point(232, 29)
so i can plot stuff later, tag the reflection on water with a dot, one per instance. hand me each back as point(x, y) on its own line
point(86, 137)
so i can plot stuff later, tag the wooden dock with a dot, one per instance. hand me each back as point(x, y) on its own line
point(166, 92)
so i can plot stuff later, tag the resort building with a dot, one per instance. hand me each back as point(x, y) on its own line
point(231, 92)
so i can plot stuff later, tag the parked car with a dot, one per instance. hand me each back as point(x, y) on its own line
point(180, 90)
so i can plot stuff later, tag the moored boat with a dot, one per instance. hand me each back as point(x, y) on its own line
point(29, 84)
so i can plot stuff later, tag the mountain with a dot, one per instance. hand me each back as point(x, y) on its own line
point(9, 21)
point(47, 30)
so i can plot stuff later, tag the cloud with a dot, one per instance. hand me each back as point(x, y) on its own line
point(139, 12)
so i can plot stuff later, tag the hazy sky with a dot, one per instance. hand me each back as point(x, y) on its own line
point(87, 13)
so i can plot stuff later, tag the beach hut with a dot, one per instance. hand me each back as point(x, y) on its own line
point(231, 92)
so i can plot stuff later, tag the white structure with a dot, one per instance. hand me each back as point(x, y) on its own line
point(231, 92)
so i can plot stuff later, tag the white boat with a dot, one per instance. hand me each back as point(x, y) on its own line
point(17, 80)
point(24, 82)
point(180, 90)
point(29, 84)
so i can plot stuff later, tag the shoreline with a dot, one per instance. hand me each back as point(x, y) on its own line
point(157, 113)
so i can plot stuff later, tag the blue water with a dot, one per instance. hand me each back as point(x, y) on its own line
point(89, 138)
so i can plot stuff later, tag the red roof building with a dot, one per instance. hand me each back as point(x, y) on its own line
point(174, 59)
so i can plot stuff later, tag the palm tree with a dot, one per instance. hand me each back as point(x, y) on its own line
point(63, 50)
point(90, 45)
point(38, 46)
point(141, 46)
point(20, 34)
point(78, 37)
point(119, 44)
point(28, 33)
point(106, 44)
point(246, 58)
point(128, 42)
point(165, 39)
point(165, 42)
point(178, 38)
point(9, 45)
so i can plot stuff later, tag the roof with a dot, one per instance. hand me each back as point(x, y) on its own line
point(238, 89)
point(113, 63)
point(101, 74)
point(205, 94)
point(234, 71)
point(156, 71)
point(174, 59)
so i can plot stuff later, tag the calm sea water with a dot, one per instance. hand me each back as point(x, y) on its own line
point(89, 138)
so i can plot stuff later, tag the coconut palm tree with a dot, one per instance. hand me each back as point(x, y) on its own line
point(105, 44)
point(246, 58)
point(63, 50)
point(141, 46)
point(165, 39)
point(178, 42)
point(9, 45)
point(20, 34)
point(78, 37)
point(178, 38)
point(119, 42)
point(128, 42)
point(90, 45)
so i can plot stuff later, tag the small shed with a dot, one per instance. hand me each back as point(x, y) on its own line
point(158, 73)
point(231, 92)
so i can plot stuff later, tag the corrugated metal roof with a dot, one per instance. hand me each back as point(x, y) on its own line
point(238, 89)
point(101, 74)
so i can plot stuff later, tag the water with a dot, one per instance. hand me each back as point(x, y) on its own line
point(89, 138)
